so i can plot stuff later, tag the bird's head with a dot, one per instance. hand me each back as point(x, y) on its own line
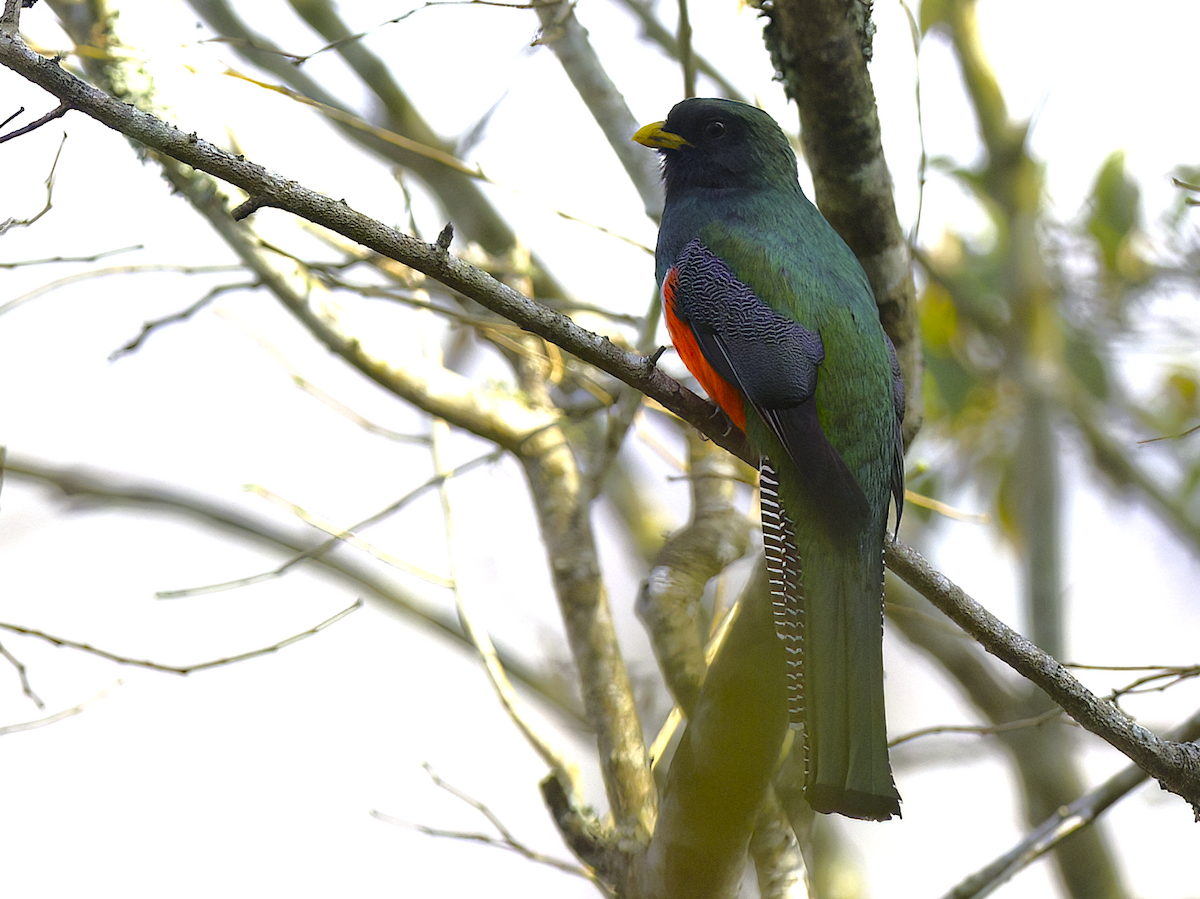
point(720, 144)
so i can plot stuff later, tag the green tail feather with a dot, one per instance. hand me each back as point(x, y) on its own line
point(829, 612)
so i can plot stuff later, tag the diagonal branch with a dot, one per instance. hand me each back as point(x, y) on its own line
point(83, 488)
point(1176, 766)
point(1066, 821)
point(182, 670)
point(568, 41)
point(271, 189)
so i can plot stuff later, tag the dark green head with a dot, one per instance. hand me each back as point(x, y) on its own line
point(721, 144)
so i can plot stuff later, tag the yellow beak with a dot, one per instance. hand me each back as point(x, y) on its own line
point(656, 138)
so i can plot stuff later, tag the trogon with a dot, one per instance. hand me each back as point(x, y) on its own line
point(773, 314)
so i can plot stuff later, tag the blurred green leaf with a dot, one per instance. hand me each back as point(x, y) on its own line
point(950, 381)
point(1085, 362)
point(1115, 212)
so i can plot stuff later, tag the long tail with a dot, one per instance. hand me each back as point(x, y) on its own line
point(829, 613)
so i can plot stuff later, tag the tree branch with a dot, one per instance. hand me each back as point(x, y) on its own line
point(58, 716)
point(1068, 820)
point(820, 48)
point(568, 41)
point(182, 670)
point(1176, 766)
point(83, 488)
point(276, 191)
point(670, 599)
point(723, 765)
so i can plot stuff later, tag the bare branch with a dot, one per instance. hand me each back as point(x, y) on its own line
point(505, 840)
point(94, 257)
point(181, 316)
point(568, 41)
point(482, 640)
point(182, 670)
point(8, 224)
point(653, 30)
point(562, 503)
point(299, 380)
point(57, 113)
point(1175, 765)
point(23, 675)
point(44, 289)
point(468, 207)
point(341, 535)
point(508, 429)
point(298, 59)
point(983, 730)
point(85, 487)
point(58, 716)
point(1067, 821)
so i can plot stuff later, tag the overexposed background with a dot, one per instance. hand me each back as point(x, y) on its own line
point(260, 777)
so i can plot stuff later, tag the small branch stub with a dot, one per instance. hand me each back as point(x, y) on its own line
point(247, 208)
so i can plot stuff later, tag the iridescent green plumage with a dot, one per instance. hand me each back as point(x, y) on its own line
point(762, 295)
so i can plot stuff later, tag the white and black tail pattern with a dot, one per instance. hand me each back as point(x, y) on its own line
point(787, 587)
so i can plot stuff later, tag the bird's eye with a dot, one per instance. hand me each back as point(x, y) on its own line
point(715, 129)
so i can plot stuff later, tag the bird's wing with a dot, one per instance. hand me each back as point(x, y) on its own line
point(774, 362)
point(898, 400)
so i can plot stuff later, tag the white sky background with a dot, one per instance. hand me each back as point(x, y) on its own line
point(258, 778)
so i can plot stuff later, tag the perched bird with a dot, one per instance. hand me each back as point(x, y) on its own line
point(773, 314)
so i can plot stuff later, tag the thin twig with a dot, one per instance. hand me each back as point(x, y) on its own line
point(8, 224)
point(505, 840)
point(58, 716)
point(103, 491)
point(1065, 822)
point(53, 114)
point(182, 670)
point(23, 675)
point(181, 316)
point(1173, 676)
point(655, 32)
point(983, 730)
point(94, 257)
point(299, 59)
point(299, 380)
point(482, 640)
point(349, 538)
point(343, 535)
point(111, 270)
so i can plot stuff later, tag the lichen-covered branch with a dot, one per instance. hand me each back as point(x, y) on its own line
point(819, 47)
point(670, 600)
point(563, 505)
